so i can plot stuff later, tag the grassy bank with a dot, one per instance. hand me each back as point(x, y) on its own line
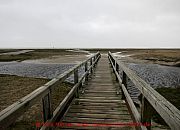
point(159, 56)
point(38, 54)
point(15, 87)
point(8, 50)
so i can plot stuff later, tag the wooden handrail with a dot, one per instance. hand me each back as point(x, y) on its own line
point(11, 113)
point(151, 99)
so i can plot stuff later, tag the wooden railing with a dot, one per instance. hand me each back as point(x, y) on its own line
point(11, 113)
point(151, 100)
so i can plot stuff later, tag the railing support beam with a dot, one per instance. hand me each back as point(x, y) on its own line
point(124, 81)
point(76, 81)
point(85, 69)
point(146, 112)
point(91, 65)
point(47, 106)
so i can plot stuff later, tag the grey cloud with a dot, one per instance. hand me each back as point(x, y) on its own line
point(89, 23)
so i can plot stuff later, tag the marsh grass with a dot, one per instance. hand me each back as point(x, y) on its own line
point(15, 87)
point(37, 54)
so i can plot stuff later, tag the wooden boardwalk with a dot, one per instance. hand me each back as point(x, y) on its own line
point(99, 105)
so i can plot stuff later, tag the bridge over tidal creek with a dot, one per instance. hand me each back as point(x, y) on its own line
point(99, 99)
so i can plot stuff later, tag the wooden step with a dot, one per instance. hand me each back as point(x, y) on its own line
point(99, 98)
point(99, 108)
point(95, 120)
point(101, 101)
point(101, 104)
point(115, 112)
point(98, 116)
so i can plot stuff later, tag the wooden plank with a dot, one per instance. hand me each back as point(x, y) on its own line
point(91, 126)
point(102, 95)
point(99, 98)
point(100, 84)
point(112, 112)
point(101, 104)
point(98, 116)
point(94, 120)
point(103, 91)
point(99, 108)
point(89, 100)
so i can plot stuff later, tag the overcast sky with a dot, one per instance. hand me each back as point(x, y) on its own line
point(89, 23)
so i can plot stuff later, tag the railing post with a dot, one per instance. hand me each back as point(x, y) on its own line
point(86, 68)
point(47, 107)
point(76, 81)
point(124, 81)
point(91, 65)
point(117, 70)
point(114, 66)
point(94, 58)
point(114, 62)
point(146, 112)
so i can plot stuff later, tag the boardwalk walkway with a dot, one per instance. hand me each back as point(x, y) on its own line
point(99, 105)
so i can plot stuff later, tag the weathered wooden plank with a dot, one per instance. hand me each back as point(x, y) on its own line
point(101, 104)
point(93, 126)
point(94, 120)
point(98, 116)
point(89, 100)
point(112, 112)
point(99, 98)
point(101, 94)
point(99, 108)
point(100, 84)
point(110, 96)
point(102, 91)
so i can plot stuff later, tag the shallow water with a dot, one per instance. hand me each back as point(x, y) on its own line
point(157, 76)
point(34, 70)
point(16, 52)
